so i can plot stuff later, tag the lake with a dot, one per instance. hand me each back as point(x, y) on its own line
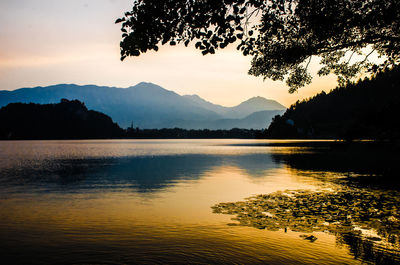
point(193, 202)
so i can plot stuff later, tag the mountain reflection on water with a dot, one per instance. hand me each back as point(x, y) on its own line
point(148, 202)
point(143, 173)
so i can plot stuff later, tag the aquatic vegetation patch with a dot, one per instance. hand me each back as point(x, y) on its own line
point(370, 214)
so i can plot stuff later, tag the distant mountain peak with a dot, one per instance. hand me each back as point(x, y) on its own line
point(144, 85)
point(194, 96)
point(149, 105)
point(269, 104)
point(257, 99)
point(198, 99)
point(148, 88)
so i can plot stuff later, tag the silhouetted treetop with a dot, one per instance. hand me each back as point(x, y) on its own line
point(69, 119)
point(280, 35)
point(367, 109)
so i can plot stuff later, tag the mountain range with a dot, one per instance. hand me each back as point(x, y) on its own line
point(147, 105)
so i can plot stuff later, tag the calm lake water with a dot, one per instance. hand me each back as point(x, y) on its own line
point(167, 201)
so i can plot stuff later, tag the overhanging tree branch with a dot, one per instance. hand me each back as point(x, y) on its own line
point(285, 35)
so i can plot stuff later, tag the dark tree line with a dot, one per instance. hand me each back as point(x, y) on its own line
point(367, 109)
point(72, 120)
point(177, 133)
point(65, 120)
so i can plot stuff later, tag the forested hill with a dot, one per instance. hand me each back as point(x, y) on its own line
point(65, 120)
point(367, 109)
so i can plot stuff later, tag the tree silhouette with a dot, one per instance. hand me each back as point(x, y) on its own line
point(69, 119)
point(363, 110)
point(281, 35)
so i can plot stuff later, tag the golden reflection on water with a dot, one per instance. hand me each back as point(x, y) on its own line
point(95, 219)
point(179, 214)
point(185, 201)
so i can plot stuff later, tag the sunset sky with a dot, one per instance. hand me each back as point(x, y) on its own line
point(46, 42)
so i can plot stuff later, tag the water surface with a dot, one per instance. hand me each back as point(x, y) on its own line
point(153, 201)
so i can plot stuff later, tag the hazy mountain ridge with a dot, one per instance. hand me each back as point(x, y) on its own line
point(150, 106)
point(207, 104)
point(240, 111)
point(256, 120)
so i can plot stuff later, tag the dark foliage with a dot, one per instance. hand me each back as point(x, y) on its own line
point(281, 35)
point(65, 120)
point(177, 133)
point(367, 109)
